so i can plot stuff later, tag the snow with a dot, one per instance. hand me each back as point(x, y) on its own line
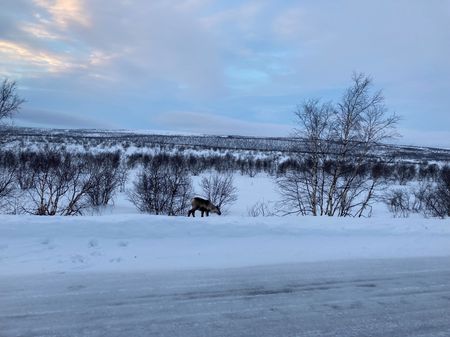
point(136, 274)
point(130, 266)
point(119, 239)
point(135, 242)
point(378, 298)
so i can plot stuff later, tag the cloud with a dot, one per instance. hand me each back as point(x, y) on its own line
point(205, 123)
point(158, 43)
point(290, 24)
point(144, 44)
point(40, 31)
point(136, 56)
point(57, 119)
point(65, 12)
point(26, 57)
point(394, 41)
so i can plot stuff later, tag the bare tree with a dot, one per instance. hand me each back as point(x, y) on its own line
point(437, 199)
point(260, 208)
point(162, 188)
point(107, 176)
point(10, 101)
point(405, 172)
point(219, 189)
point(335, 143)
point(399, 202)
point(60, 184)
point(8, 181)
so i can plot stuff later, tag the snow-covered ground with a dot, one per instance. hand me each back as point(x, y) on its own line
point(120, 273)
point(30, 244)
point(120, 239)
point(377, 298)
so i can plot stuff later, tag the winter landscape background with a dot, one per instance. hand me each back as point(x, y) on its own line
point(224, 168)
point(253, 271)
point(254, 229)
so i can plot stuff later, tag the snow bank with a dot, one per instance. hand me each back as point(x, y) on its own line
point(30, 244)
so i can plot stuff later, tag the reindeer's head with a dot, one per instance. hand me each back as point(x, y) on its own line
point(216, 209)
point(213, 208)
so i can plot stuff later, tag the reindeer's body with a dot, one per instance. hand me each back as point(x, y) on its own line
point(205, 206)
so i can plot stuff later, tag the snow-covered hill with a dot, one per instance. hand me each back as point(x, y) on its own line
point(131, 141)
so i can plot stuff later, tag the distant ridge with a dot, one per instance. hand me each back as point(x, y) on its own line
point(146, 138)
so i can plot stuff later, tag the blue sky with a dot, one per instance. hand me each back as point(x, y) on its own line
point(226, 67)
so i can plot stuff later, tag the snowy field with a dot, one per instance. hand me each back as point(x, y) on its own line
point(120, 273)
point(121, 240)
point(31, 244)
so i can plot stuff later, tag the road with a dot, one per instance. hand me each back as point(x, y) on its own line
point(409, 297)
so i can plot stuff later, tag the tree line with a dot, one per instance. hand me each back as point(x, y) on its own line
point(54, 182)
point(50, 182)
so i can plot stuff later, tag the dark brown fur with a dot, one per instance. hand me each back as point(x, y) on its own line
point(204, 206)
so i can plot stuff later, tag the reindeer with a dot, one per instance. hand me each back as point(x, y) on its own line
point(205, 206)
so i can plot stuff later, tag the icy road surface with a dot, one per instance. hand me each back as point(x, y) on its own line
point(403, 297)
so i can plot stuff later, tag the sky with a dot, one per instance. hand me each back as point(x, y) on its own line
point(223, 67)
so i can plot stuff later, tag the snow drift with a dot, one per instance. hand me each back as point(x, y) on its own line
point(30, 244)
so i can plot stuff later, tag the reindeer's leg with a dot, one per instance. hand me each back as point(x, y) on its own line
point(192, 211)
point(203, 212)
point(189, 213)
point(207, 213)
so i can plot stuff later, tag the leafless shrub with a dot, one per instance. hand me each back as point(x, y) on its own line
point(428, 172)
point(108, 174)
point(437, 199)
point(399, 203)
point(419, 196)
point(430, 199)
point(8, 188)
point(260, 208)
point(219, 189)
point(293, 187)
point(162, 188)
point(405, 173)
point(24, 172)
point(60, 185)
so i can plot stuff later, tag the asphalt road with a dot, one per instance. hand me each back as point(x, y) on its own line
point(351, 298)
